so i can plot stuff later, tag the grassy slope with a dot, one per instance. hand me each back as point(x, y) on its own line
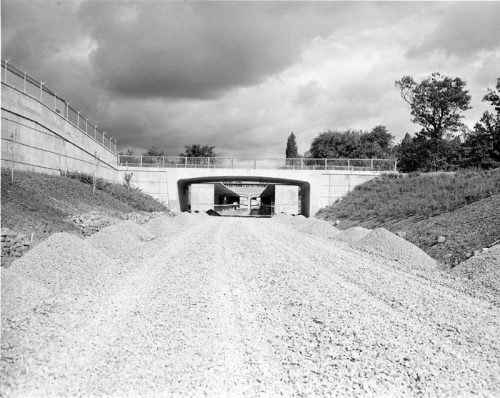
point(463, 207)
point(41, 203)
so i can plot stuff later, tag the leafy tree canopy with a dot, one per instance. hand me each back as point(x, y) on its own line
point(352, 144)
point(198, 151)
point(436, 103)
point(154, 151)
point(494, 97)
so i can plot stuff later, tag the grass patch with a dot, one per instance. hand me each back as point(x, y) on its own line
point(134, 197)
point(416, 196)
point(462, 207)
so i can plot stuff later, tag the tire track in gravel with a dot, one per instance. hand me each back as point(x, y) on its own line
point(484, 315)
point(247, 307)
point(83, 331)
point(364, 280)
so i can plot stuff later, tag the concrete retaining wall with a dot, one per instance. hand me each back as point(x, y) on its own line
point(36, 138)
point(325, 186)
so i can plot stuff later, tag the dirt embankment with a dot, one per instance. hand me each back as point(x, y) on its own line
point(451, 216)
point(196, 305)
point(39, 205)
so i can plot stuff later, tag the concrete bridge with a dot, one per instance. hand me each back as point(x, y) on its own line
point(191, 183)
point(41, 132)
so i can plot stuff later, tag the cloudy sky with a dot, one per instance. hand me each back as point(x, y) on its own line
point(243, 75)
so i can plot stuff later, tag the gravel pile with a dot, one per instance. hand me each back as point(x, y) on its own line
point(64, 262)
point(120, 240)
point(186, 219)
point(159, 226)
point(20, 293)
point(316, 227)
point(483, 269)
point(352, 235)
point(393, 247)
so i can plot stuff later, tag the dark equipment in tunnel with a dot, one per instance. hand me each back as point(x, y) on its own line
point(304, 189)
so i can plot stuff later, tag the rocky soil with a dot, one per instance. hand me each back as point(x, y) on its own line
point(214, 306)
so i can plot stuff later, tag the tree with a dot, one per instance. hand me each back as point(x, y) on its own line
point(494, 97)
point(292, 150)
point(376, 144)
point(154, 151)
point(482, 145)
point(198, 151)
point(352, 144)
point(436, 103)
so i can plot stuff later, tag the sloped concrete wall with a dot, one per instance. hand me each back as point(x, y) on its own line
point(36, 138)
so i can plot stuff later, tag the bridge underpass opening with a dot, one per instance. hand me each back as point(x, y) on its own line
point(241, 195)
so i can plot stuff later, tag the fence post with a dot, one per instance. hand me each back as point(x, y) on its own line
point(185, 162)
point(86, 123)
point(302, 163)
point(141, 161)
point(208, 162)
point(78, 119)
point(103, 135)
point(24, 82)
point(95, 132)
point(326, 164)
point(348, 164)
point(371, 164)
point(41, 91)
point(95, 168)
point(395, 165)
point(5, 74)
point(55, 101)
point(67, 111)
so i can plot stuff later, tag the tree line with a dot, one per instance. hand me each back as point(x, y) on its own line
point(443, 142)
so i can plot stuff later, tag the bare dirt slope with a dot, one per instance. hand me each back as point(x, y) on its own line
point(248, 307)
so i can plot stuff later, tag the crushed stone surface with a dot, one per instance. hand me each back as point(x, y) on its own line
point(120, 240)
point(483, 269)
point(20, 293)
point(352, 235)
point(65, 263)
point(251, 307)
point(393, 247)
point(159, 226)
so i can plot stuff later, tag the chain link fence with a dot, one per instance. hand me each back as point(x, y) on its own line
point(37, 90)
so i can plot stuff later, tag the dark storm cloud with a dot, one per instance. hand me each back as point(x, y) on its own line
point(198, 50)
point(243, 75)
point(47, 40)
point(464, 29)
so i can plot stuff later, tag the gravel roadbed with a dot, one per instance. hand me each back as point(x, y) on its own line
point(217, 306)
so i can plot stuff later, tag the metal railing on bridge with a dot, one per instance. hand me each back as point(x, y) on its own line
point(388, 165)
point(23, 82)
